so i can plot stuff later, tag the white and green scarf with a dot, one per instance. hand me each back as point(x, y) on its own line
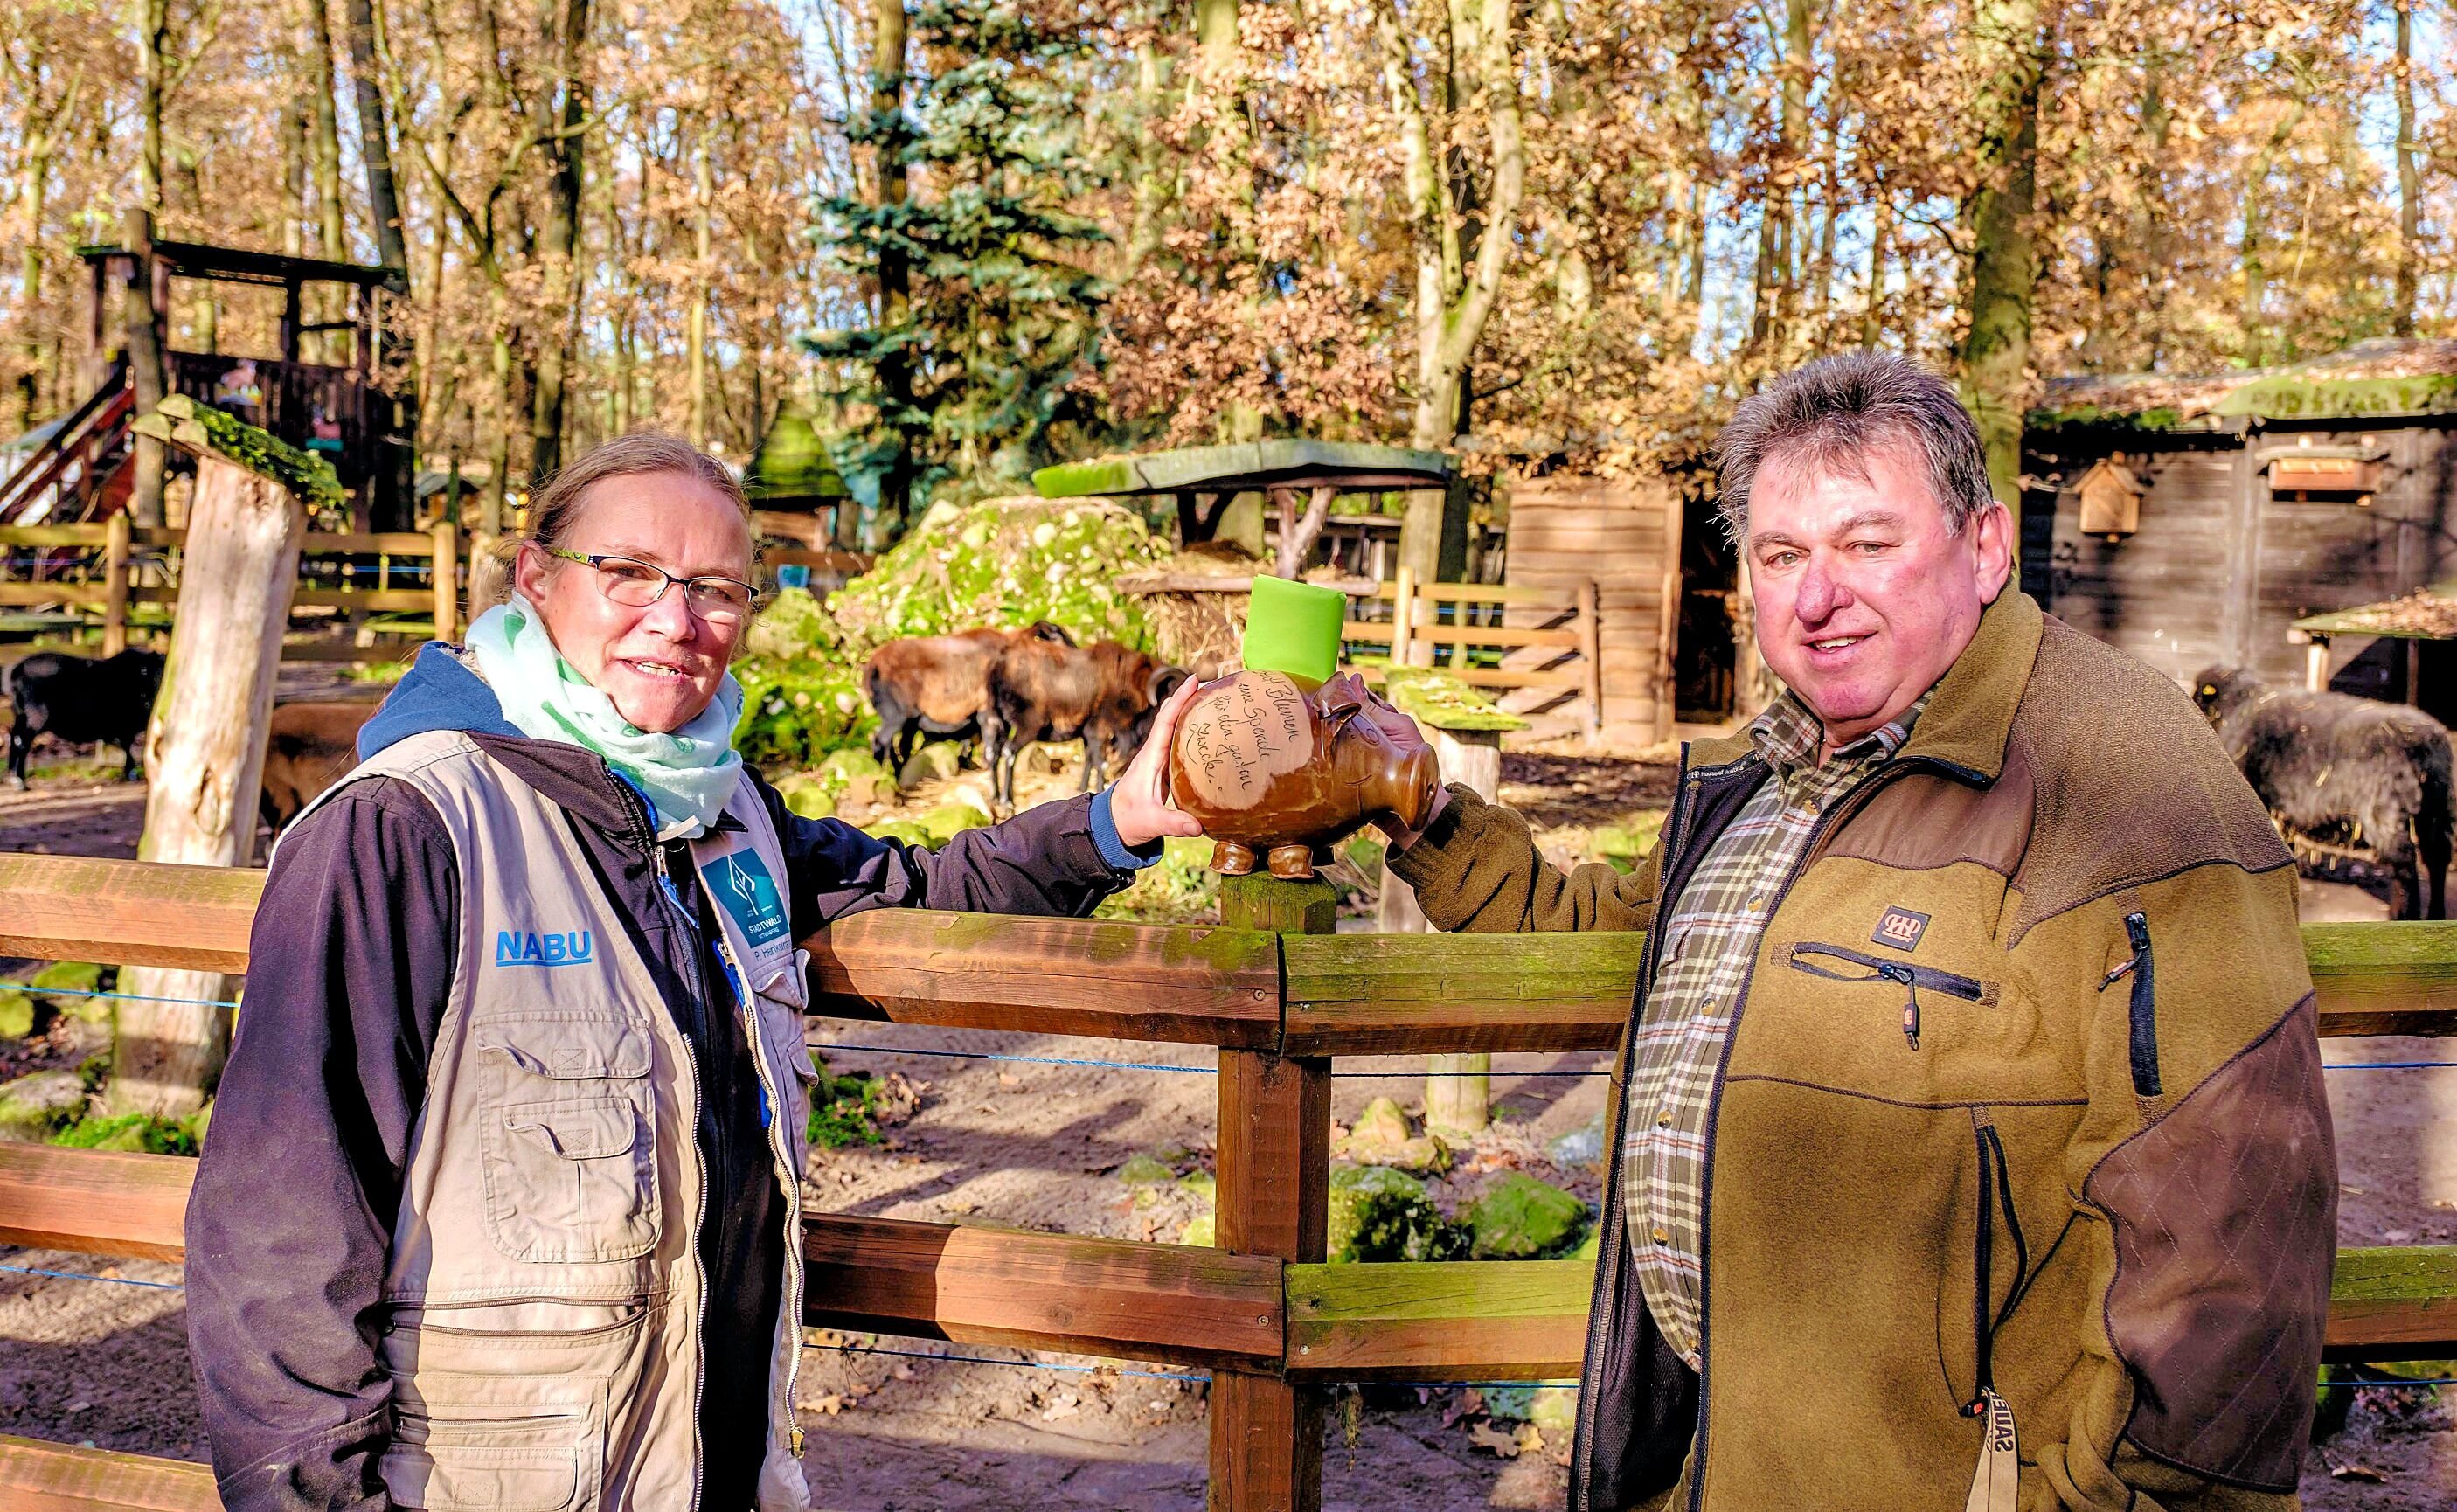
point(687, 776)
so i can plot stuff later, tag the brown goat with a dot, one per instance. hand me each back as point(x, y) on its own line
point(1104, 693)
point(936, 685)
point(309, 747)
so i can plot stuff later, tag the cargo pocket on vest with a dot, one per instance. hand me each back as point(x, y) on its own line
point(529, 1464)
point(570, 1177)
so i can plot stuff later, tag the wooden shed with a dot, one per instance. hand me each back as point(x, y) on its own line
point(2258, 498)
point(1627, 538)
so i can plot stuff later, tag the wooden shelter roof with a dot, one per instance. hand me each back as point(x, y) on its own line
point(1259, 464)
point(195, 260)
point(2428, 613)
point(2378, 378)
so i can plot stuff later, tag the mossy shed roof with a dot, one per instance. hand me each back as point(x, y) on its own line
point(2380, 379)
point(2428, 613)
point(1344, 465)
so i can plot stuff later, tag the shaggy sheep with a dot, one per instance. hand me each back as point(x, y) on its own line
point(2376, 774)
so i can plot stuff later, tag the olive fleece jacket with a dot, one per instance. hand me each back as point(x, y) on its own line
point(2102, 1179)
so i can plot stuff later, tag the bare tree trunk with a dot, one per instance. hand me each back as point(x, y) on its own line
point(204, 753)
point(1995, 350)
point(1298, 535)
point(375, 138)
point(2409, 179)
point(1881, 249)
point(564, 137)
point(703, 203)
point(894, 370)
point(147, 366)
point(2255, 252)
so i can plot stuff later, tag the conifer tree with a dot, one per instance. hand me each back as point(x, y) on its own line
point(1002, 315)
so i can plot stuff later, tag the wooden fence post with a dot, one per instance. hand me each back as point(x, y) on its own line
point(205, 756)
point(1402, 614)
point(446, 577)
point(1591, 651)
point(1273, 1198)
point(114, 585)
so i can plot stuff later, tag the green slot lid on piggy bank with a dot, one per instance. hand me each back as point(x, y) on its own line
point(1293, 627)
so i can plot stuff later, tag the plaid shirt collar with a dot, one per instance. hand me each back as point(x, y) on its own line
point(1788, 737)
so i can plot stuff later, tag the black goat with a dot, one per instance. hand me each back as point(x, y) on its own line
point(80, 700)
point(2323, 761)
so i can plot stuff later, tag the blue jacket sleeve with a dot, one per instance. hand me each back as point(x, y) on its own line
point(350, 967)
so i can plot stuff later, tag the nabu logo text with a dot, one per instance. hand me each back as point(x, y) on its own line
point(514, 947)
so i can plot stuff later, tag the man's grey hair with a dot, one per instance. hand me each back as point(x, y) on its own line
point(1830, 415)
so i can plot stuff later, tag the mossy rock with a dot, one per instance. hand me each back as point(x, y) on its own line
point(1200, 1230)
point(1145, 1170)
point(934, 762)
point(897, 830)
point(855, 777)
point(792, 624)
point(16, 1015)
point(1381, 1136)
point(72, 980)
point(34, 1108)
point(948, 820)
point(1520, 1218)
point(1378, 1212)
point(807, 795)
point(1625, 845)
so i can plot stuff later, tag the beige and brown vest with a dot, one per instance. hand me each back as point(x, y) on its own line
point(544, 1292)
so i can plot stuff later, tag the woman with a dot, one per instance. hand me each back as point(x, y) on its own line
point(496, 1205)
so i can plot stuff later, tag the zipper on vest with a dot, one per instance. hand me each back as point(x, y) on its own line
point(1995, 1193)
point(1913, 978)
point(2143, 1040)
point(700, 1206)
point(780, 1140)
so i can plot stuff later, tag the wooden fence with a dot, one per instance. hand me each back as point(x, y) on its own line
point(1279, 997)
point(1559, 648)
point(109, 585)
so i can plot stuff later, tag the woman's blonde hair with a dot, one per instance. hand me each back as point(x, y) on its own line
point(557, 505)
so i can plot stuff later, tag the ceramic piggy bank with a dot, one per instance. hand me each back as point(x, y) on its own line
point(1274, 765)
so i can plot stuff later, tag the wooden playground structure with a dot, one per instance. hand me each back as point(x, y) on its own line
point(1280, 997)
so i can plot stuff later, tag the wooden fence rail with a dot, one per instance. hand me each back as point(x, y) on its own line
point(1267, 1320)
point(442, 551)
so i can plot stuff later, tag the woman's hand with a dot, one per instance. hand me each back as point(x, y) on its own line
point(1137, 803)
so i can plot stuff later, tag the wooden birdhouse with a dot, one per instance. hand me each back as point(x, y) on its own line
point(2111, 499)
point(2302, 476)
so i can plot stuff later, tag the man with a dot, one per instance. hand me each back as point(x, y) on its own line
point(1972, 1148)
point(500, 1202)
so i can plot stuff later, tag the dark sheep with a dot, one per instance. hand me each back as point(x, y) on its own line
point(1104, 693)
point(936, 685)
point(80, 700)
point(2324, 763)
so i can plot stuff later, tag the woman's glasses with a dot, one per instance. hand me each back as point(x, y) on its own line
point(635, 584)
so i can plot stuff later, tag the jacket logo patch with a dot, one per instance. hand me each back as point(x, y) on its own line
point(1900, 928)
point(570, 947)
point(741, 885)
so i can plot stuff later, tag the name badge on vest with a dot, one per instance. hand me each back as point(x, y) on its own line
point(754, 907)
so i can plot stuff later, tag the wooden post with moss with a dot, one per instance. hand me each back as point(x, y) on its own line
point(1273, 1198)
point(1465, 729)
point(204, 751)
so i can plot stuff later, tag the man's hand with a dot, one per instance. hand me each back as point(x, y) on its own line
point(1137, 803)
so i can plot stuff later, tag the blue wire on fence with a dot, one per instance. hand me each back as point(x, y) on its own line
point(80, 1275)
point(122, 997)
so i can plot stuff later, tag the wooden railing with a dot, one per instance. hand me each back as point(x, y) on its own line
point(1273, 1328)
point(1563, 650)
point(108, 586)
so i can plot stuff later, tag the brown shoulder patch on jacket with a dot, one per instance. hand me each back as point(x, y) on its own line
point(2130, 783)
point(2225, 1221)
point(1927, 820)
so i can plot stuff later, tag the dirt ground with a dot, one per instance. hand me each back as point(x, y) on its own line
point(1036, 1144)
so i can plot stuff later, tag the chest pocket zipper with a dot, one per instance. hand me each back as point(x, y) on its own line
point(1861, 967)
point(2143, 1041)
